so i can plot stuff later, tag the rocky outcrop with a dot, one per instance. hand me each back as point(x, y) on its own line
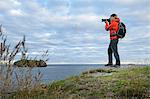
point(30, 63)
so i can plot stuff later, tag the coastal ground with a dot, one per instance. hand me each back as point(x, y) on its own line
point(104, 83)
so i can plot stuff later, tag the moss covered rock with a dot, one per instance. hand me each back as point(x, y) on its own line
point(30, 63)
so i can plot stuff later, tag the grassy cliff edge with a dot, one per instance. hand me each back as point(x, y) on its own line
point(133, 82)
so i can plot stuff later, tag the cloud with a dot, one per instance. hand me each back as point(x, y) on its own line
point(16, 2)
point(17, 12)
point(7, 5)
point(130, 2)
point(73, 31)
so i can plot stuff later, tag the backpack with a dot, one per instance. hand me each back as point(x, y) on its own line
point(121, 30)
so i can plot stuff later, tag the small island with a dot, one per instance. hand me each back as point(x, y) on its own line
point(30, 63)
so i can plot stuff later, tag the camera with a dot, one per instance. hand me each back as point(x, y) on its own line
point(104, 20)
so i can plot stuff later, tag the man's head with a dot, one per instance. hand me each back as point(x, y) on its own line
point(113, 16)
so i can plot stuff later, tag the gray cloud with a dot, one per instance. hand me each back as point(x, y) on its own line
point(72, 30)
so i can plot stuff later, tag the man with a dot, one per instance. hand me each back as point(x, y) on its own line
point(113, 49)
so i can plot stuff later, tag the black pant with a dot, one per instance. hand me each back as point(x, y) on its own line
point(113, 49)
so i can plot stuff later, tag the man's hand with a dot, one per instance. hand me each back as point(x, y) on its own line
point(107, 22)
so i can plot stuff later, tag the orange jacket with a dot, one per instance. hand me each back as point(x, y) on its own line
point(113, 28)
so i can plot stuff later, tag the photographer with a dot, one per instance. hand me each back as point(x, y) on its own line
point(112, 26)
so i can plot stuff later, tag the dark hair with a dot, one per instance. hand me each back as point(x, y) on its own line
point(113, 15)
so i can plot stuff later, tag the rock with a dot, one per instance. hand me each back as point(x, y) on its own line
point(30, 63)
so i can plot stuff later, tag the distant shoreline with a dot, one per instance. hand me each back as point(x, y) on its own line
point(94, 64)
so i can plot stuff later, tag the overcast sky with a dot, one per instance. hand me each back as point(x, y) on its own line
point(72, 30)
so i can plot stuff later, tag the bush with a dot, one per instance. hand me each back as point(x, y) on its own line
point(15, 79)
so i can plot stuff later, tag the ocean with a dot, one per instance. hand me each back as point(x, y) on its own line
point(62, 71)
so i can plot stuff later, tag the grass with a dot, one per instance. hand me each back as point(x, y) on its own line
point(127, 83)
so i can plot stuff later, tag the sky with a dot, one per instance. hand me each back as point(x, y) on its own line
point(72, 30)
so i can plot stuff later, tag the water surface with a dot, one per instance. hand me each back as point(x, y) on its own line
point(58, 72)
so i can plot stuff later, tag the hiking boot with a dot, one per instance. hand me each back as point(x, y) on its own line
point(109, 64)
